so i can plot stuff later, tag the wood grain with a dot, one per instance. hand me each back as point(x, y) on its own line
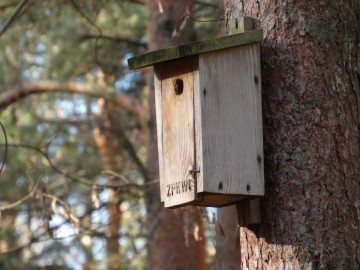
point(159, 116)
point(231, 121)
point(178, 132)
point(213, 127)
point(172, 53)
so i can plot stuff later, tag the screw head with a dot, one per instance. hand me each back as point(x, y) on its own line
point(220, 186)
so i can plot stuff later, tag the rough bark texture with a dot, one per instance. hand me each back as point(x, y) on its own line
point(311, 95)
point(175, 236)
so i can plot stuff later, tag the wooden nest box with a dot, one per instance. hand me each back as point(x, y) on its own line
point(209, 120)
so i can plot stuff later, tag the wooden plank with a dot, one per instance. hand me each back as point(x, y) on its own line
point(248, 212)
point(172, 53)
point(198, 133)
point(178, 131)
point(158, 109)
point(242, 24)
point(232, 121)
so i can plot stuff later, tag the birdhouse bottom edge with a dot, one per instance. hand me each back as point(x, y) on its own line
point(217, 200)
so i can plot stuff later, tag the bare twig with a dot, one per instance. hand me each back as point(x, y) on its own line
point(78, 9)
point(140, 2)
point(42, 153)
point(4, 6)
point(13, 16)
point(129, 147)
point(115, 39)
point(41, 238)
point(126, 186)
point(20, 201)
point(65, 211)
point(69, 120)
point(6, 147)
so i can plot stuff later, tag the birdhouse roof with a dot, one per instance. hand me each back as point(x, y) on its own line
point(176, 52)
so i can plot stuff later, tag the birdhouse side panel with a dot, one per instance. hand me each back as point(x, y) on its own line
point(177, 128)
point(231, 121)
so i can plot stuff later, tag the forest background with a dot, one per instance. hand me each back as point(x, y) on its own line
point(76, 186)
point(79, 171)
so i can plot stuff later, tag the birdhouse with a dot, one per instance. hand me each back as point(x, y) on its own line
point(209, 120)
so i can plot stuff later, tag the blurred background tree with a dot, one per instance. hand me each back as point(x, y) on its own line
point(78, 125)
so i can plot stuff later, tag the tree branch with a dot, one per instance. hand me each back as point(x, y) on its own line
point(115, 39)
point(13, 16)
point(23, 199)
point(122, 186)
point(129, 147)
point(4, 6)
point(140, 2)
point(119, 99)
point(68, 120)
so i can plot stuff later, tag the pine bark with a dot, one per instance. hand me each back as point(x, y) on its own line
point(311, 97)
point(176, 238)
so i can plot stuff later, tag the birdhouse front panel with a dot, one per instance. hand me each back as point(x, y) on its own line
point(176, 125)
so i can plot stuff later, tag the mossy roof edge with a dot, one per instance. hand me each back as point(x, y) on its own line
point(171, 53)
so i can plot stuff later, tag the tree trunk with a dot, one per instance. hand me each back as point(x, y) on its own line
point(311, 97)
point(175, 236)
point(108, 146)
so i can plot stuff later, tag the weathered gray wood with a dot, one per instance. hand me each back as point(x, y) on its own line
point(209, 124)
point(240, 25)
point(248, 210)
point(232, 121)
point(210, 136)
point(159, 117)
point(172, 53)
point(178, 132)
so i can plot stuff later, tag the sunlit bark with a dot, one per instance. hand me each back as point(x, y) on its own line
point(311, 97)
